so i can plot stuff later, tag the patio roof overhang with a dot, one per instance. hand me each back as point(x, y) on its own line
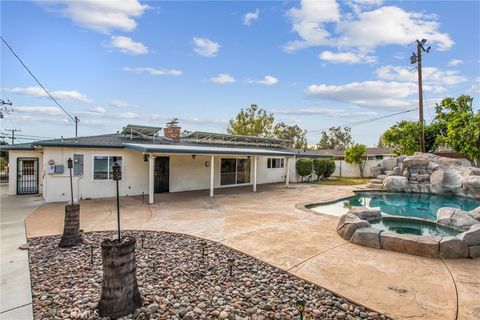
point(210, 150)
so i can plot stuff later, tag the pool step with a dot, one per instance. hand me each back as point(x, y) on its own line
point(375, 184)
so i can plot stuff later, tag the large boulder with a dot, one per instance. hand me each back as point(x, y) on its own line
point(474, 252)
point(475, 213)
point(472, 236)
point(376, 171)
point(416, 245)
point(471, 187)
point(436, 182)
point(389, 164)
point(366, 213)
point(368, 237)
point(396, 184)
point(456, 218)
point(452, 179)
point(348, 224)
point(415, 161)
point(453, 248)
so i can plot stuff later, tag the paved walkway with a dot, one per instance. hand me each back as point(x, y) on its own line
point(15, 293)
point(270, 226)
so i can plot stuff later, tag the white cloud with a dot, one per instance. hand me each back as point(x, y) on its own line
point(206, 47)
point(267, 80)
point(98, 110)
point(367, 94)
point(329, 112)
point(126, 115)
point(50, 111)
point(249, 17)
point(364, 29)
point(309, 22)
point(153, 71)
point(475, 88)
point(390, 25)
point(59, 94)
point(120, 104)
point(455, 62)
point(431, 75)
point(346, 57)
point(223, 78)
point(127, 45)
point(101, 16)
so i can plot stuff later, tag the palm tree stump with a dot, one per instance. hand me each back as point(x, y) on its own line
point(71, 235)
point(120, 294)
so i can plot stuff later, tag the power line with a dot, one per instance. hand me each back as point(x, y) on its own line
point(12, 137)
point(73, 118)
point(351, 124)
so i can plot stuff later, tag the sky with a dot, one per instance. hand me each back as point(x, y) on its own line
point(316, 64)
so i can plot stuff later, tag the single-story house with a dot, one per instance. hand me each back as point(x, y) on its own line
point(150, 163)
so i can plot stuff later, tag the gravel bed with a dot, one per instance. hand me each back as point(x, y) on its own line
point(177, 282)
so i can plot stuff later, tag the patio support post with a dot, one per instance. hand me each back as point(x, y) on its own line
point(255, 174)
point(212, 174)
point(151, 166)
point(287, 172)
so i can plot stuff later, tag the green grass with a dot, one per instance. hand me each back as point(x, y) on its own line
point(342, 181)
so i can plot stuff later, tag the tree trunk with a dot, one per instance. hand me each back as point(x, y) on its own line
point(361, 169)
point(120, 294)
point(71, 236)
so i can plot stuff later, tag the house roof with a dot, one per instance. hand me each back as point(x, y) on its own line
point(161, 144)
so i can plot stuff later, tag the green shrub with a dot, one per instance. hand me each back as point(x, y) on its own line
point(330, 168)
point(304, 167)
point(320, 167)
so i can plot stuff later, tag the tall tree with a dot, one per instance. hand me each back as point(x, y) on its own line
point(355, 155)
point(253, 121)
point(461, 126)
point(293, 133)
point(335, 138)
point(403, 137)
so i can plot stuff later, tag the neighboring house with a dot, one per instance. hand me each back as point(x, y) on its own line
point(373, 157)
point(150, 163)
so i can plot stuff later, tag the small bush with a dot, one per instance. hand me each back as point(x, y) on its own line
point(330, 168)
point(304, 167)
point(320, 167)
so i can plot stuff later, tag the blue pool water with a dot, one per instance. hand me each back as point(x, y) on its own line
point(419, 228)
point(417, 205)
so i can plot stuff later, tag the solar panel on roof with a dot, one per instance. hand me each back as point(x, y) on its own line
point(209, 137)
point(140, 131)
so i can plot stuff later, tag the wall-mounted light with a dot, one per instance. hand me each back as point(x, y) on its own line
point(145, 157)
point(193, 157)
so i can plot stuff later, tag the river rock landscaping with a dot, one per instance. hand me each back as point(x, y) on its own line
point(179, 277)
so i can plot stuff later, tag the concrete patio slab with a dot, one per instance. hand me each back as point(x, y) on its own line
point(271, 226)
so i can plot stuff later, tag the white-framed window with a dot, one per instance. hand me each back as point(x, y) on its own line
point(234, 171)
point(275, 163)
point(102, 167)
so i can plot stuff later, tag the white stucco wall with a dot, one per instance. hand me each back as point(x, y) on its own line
point(57, 186)
point(343, 169)
point(12, 168)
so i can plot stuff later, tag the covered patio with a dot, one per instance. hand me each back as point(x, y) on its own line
point(214, 157)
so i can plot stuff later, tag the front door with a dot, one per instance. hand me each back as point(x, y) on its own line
point(27, 175)
point(161, 174)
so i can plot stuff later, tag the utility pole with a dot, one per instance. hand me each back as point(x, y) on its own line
point(12, 137)
point(418, 59)
point(76, 120)
point(4, 109)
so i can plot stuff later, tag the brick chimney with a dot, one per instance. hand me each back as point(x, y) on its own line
point(172, 132)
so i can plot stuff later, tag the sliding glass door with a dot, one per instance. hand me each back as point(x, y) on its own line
point(234, 171)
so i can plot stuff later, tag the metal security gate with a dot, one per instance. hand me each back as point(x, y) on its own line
point(27, 175)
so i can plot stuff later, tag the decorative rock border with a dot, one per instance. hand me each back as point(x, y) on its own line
point(356, 228)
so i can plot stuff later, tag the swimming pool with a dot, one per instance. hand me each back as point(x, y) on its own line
point(416, 205)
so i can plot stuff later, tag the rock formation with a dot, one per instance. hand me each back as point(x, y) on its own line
point(428, 173)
